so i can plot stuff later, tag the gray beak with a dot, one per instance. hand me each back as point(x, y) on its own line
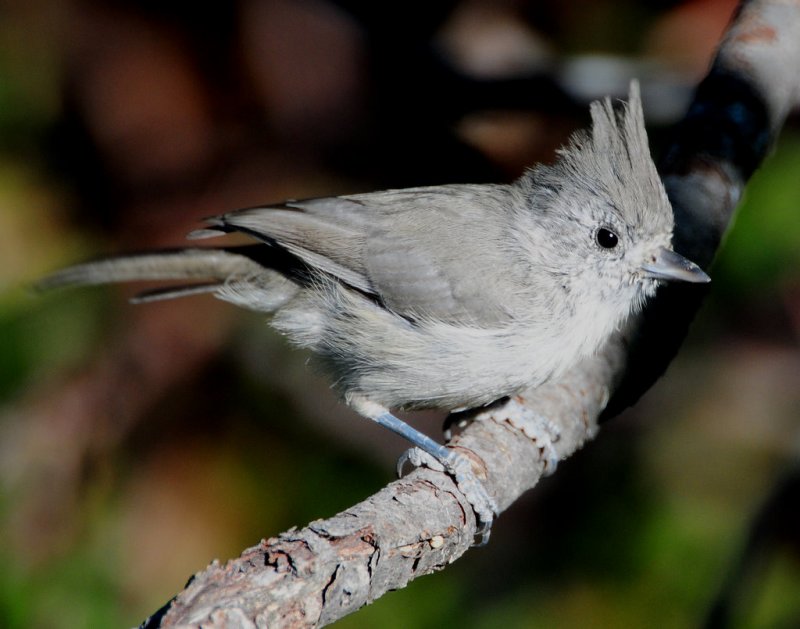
point(669, 265)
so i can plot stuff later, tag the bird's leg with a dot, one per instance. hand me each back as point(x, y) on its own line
point(435, 456)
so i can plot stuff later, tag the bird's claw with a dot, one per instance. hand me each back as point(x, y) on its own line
point(460, 469)
point(537, 428)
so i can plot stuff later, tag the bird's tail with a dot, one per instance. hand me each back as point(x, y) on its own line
point(207, 269)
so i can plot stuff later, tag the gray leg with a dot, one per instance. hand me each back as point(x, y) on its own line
point(436, 456)
point(412, 435)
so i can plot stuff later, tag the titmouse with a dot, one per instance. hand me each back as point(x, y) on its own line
point(449, 296)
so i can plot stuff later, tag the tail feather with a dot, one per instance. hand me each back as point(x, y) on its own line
point(173, 292)
point(179, 264)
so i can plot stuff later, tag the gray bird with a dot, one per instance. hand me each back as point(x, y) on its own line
point(450, 296)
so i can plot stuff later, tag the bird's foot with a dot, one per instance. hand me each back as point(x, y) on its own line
point(459, 467)
point(537, 428)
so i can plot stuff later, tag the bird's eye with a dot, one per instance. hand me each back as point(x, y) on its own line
point(606, 238)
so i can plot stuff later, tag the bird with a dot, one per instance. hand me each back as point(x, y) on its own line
point(450, 296)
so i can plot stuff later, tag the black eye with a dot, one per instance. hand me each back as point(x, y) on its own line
point(606, 238)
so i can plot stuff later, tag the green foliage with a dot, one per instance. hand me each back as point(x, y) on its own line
point(47, 334)
point(762, 251)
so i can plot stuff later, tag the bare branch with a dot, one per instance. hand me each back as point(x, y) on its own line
point(421, 523)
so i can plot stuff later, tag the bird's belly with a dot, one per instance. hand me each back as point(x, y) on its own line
point(376, 354)
point(445, 367)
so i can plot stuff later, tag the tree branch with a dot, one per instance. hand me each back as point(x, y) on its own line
point(421, 523)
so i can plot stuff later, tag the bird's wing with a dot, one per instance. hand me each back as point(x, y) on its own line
point(422, 252)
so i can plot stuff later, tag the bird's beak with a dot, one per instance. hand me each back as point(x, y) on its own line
point(668, 265)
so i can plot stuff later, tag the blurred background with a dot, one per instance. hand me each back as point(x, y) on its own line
point(138, 443)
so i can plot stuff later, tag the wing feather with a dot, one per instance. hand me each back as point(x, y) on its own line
point(423, 252)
